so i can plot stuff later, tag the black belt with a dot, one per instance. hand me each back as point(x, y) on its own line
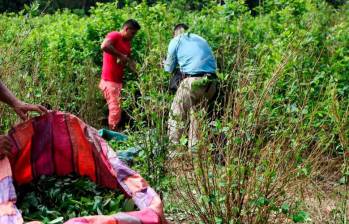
point(208, 74)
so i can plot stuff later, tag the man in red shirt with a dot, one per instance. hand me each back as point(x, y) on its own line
point(116, 55)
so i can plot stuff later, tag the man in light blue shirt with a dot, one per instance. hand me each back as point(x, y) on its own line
point(192, 53)
point(197, 64)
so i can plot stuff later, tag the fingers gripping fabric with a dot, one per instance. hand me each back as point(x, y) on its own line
point(60, 143)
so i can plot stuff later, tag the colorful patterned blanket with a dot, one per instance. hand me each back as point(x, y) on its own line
point(60, 144)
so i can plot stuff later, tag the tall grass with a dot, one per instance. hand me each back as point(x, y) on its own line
point(278, 128)
point(247, 170)
point(253, 167)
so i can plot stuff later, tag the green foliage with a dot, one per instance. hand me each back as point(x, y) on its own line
point(301, 216)
point(284, 90)
point(57, 199)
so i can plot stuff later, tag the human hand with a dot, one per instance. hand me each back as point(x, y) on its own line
point(5, 146)
point(122, 59)
point(132, 66)
point(22, 109)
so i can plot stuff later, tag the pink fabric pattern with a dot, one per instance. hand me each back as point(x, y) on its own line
point(60, 143)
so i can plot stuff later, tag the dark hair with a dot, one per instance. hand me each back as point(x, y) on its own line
point(133, 24)
point(181, 26)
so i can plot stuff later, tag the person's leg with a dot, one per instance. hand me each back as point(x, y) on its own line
point(179, 112)
point(112, 94)
point(193, 129)
point(199, 99)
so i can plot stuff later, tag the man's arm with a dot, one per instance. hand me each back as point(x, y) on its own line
point(19, 107)
point(107, 46)
point(6, 96)
point(132, 65)
point(171, 60)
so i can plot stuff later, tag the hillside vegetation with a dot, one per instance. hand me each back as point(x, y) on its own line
point(274, 147)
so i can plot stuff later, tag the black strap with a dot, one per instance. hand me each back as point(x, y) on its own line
point(209, 75)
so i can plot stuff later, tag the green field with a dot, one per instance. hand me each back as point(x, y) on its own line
point(274, 147)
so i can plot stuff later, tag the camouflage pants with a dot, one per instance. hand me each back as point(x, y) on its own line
point(190, 98)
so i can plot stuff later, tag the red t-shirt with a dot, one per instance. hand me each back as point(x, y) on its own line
point(111, 70)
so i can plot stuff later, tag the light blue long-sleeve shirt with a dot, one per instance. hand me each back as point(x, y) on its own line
point(192, 53)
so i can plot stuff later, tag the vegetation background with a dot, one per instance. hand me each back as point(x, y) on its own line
point(274, 146)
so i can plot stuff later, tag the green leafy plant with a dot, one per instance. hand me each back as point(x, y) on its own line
point(278, 126)
point(56, 199)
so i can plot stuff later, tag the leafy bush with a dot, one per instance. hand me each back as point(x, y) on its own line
point(282, 104)
point(57, 199)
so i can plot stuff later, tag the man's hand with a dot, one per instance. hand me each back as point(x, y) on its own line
point(5, 146)
point(108, 46)
point(22, 109)
point(123, 59)
point(132, 66)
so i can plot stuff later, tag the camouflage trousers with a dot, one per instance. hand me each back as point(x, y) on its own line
point(191, 96)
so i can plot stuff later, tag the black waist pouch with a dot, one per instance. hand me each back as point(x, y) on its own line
point(175, 81)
